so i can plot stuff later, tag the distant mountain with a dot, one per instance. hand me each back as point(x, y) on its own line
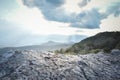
point(48, 46)
point(51, 43)
point(105, 41)
point(23, 40)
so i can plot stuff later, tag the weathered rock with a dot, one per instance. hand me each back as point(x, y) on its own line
point(31, 65)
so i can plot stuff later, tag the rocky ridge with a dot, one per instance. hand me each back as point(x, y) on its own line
point(32, 65)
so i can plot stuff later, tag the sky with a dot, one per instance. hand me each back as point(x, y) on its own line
point(32, 22)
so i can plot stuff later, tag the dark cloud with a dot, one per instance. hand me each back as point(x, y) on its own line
point(55, 2)
point(88, 19)
point(50, 8)
point(53, 11)
point(84, 3)
point(43, 3)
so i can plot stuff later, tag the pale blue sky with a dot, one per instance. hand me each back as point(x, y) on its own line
point(6, 6)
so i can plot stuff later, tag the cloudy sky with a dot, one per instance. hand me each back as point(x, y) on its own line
point(28, 22)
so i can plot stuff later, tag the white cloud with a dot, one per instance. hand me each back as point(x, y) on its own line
point(111, 24)
point(32, 20)
point(99, 4)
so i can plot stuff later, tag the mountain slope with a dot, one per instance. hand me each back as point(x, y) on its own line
point(31, 65)
point(102, 41)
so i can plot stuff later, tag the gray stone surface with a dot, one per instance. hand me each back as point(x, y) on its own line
point(32, 65)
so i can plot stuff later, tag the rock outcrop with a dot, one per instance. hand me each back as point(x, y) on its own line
point(32, 65)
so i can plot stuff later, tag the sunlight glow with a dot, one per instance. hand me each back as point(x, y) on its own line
point(34, 22)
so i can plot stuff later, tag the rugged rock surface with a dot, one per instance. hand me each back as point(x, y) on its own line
point(32, 65)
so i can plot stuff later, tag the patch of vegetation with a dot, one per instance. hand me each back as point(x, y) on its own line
point(94, 51)
point(105, 41)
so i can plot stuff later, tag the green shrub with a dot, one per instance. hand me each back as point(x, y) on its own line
point(107, 50)
point(94, 51)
